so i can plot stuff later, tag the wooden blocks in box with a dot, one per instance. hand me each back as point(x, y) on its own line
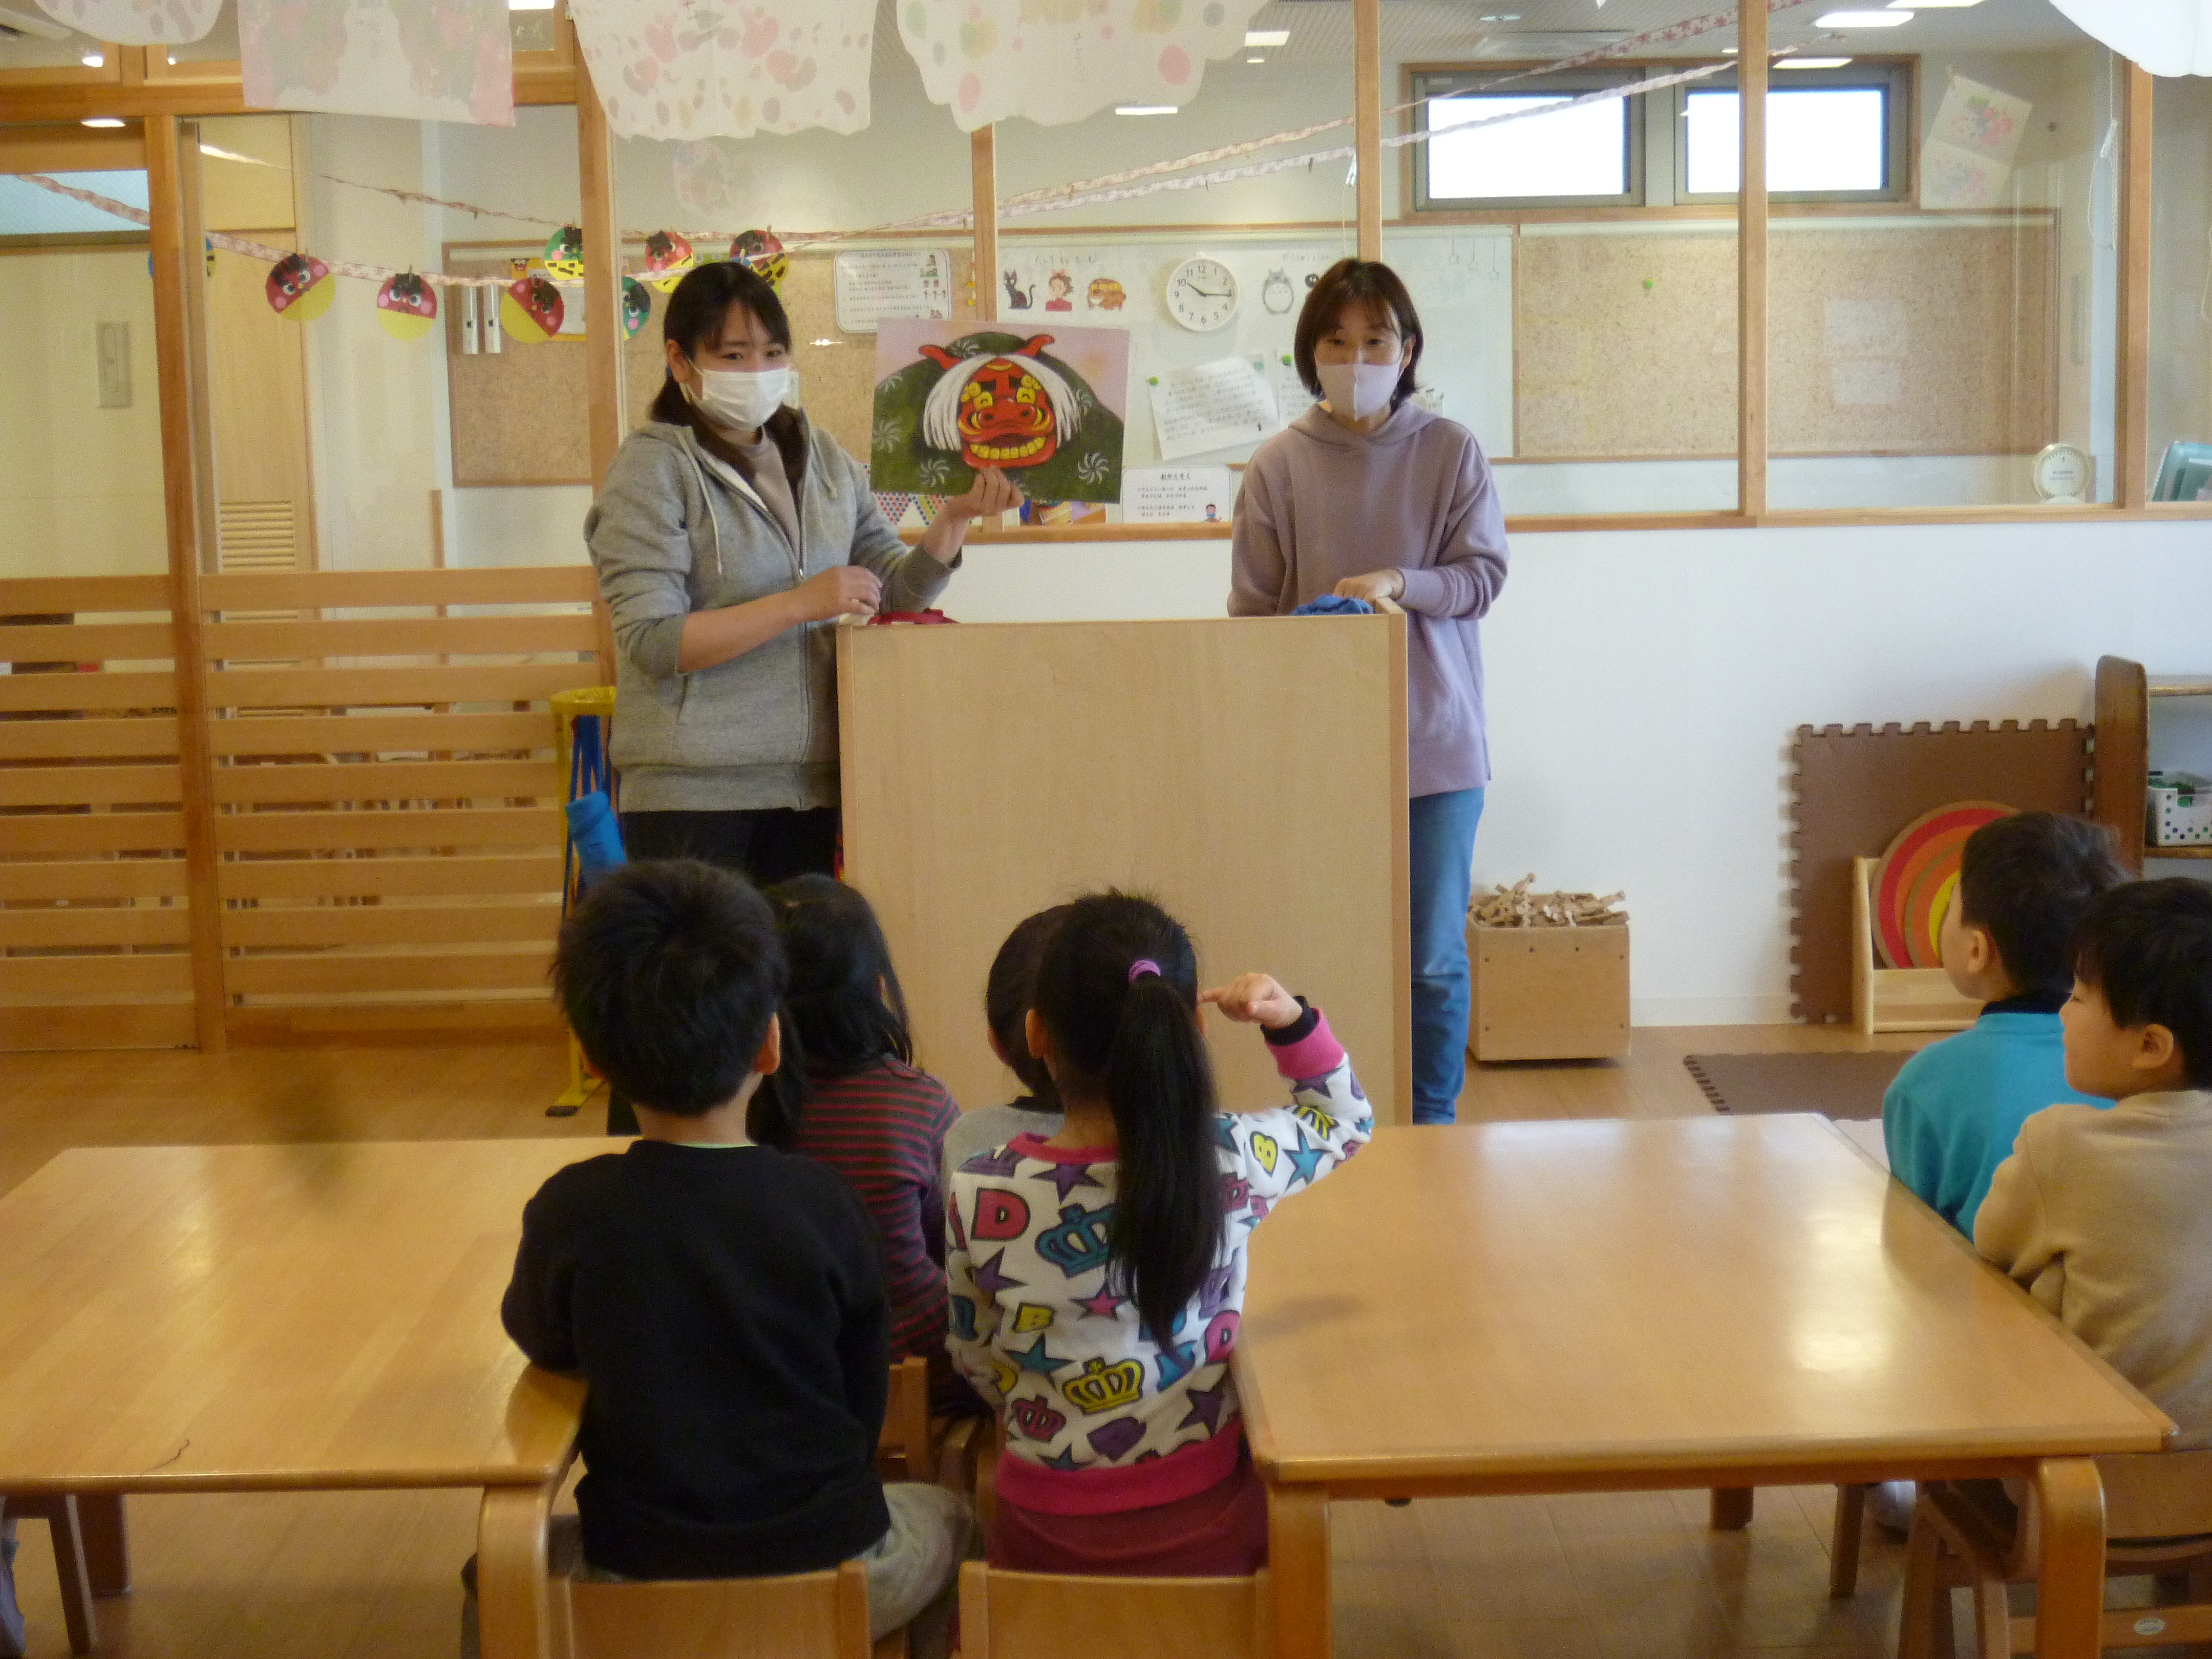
point(1549, 992)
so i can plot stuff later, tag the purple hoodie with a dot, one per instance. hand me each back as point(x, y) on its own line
point(1322, 502)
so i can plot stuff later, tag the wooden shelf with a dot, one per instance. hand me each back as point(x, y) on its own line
point(2121, 774)
point(2196, 852)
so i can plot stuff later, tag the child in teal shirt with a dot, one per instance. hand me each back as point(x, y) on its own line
point(1951, 1116)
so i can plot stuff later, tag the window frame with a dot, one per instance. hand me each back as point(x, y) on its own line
point(1898, 76)
point(1478, 80)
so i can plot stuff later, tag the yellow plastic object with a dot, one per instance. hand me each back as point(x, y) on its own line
point(566, 707)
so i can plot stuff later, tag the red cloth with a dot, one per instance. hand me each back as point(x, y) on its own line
point(882, 1129)
point(1218, 1533)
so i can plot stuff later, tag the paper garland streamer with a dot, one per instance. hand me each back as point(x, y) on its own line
point(300, 287)
point(136, 22)
point(432, 60)
point(985, 60)
point(667, 70)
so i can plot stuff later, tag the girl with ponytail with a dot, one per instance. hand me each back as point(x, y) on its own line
point(1097, 1276)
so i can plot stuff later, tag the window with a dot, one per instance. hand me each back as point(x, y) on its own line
point(1590, 154)
point(1832, 135)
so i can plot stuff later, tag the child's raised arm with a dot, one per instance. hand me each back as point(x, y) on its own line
point(1328, 1119)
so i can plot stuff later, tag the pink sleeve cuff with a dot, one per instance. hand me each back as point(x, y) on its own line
point(1313, 1054)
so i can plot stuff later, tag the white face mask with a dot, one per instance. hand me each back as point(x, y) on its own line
point(1359, 389)
point(739, 399)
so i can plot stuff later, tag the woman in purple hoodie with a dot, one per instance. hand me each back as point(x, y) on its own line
point(1368, 495)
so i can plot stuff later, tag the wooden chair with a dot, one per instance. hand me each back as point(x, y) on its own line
point(60, 1511)
point(915, 1446)
point(2158, 1520)
point(1023, 1615)
point(807, 1615)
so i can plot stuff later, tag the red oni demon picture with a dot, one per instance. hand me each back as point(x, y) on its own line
point(1000, 409)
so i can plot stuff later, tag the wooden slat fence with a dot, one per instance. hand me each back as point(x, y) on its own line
point(386, 799)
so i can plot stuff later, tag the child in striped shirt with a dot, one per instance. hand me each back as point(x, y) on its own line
point(866, 1110)
point(1098, 1274)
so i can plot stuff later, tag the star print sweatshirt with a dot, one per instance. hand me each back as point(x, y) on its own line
point(1101, 1415)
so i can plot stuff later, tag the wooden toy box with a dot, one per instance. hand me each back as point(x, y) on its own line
point(1549, 992)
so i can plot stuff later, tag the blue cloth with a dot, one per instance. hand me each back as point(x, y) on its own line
point(1335, 605)
point(599, 840)
point(1441, 831)
point(1952, 1114)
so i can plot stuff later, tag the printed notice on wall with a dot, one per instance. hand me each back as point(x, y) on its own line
point(874, 283)
point(1178, 495)
point(1216, 405)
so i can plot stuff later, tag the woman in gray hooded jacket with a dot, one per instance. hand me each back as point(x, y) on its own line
point(729, 536)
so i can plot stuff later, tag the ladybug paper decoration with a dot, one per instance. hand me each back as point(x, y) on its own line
point(406, 306)
point(764, 251)
point(667, 256)
point(564, 254)
point(531, 310)
point(636, 308)
point(300, 287)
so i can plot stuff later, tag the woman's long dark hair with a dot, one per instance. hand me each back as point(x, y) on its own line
point(1137, 1040)
point(844, 1010)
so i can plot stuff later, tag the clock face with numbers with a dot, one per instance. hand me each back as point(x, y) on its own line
point(2063, 474)
point(1202, 294)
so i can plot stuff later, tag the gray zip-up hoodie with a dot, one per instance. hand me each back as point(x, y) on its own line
point(677, 530)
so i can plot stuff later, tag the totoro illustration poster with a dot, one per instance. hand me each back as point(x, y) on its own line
point(1046, 406)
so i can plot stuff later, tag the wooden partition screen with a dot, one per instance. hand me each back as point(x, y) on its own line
point(94, 922)
point(386, 790)
point(1250, 775)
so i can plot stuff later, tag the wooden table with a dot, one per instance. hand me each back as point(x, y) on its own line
point(1710, 1302)
point(288, 1318)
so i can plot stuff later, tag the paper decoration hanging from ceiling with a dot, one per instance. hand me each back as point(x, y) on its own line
point(1967, 159)
point(2167, 37)
point(712, 176)
point(764, 251)
point(637, 307)
point(136, 22)
point(300, 287)
point(406, 306)
point(531, 310)
point(564, 254)
point(1056, 61)
point(664, 69)
point(415, 60)
point(667, 256)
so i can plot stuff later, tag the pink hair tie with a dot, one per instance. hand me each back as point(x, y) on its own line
point(1142, 966)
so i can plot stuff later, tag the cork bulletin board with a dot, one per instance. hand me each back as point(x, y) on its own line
point(518, 415)
point(1916, 337)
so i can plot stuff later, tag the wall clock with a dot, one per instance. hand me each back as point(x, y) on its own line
point(1202, 294)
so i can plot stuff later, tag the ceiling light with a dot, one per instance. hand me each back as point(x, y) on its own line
point(92, 60)
point(530, 5)
point(1266, 37)
point(1144, 109)
point(1811, 63)
point(1501, 17)
point(1861, 20)
point(1932, 5)
point(1255, 60)
point(104, 121)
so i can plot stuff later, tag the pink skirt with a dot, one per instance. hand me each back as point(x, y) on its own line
point(1219, 1533)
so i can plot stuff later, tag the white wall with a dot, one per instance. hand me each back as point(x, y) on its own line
point(1644, 688)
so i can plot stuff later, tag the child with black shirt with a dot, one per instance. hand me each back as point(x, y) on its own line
point(724, 1300)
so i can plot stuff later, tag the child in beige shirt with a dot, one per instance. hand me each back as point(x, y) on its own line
point(2107, 1215)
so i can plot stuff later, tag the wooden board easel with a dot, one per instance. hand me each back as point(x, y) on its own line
point(1250, 775)
point(1896, 998)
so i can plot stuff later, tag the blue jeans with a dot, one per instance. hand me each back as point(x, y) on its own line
point(1441, 828)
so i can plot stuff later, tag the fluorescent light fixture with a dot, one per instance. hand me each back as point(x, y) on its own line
point(530, 5)
point(104, 121)
point(1144, 109)
point(1811, 63)
point(1932, 5)
point(1501, 17)
point(1861, 20)
point(1728, 52)
point(1266, 37)
point(1255, 60)
point(92, 60)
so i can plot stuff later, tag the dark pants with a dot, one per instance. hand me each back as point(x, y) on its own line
point(765, 847)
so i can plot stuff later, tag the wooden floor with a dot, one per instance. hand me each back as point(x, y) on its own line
point(373, 1575)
